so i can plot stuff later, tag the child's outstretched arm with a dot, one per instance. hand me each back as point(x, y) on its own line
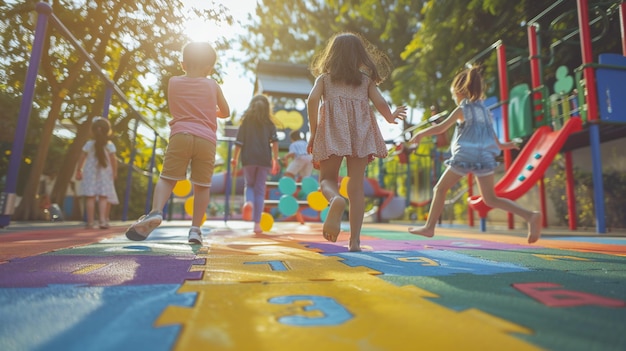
point(438, 128)
point(275, 166)
point(289, 156)
point(383, 108)
point(513, 144)
point(235, 159)
point(313, 105)
point(222, 104)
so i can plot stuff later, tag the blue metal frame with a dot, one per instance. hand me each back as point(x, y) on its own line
point(7, 198)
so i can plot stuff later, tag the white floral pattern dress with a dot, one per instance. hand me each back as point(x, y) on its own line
point(97, 180)
point(347, 124)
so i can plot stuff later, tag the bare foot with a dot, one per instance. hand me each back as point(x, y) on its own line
point(534, 227)
point(257, 229)
point(332, 224)
point(355, 245)
point(423, 231)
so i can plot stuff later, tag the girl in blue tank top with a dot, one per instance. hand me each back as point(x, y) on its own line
point(474, 148)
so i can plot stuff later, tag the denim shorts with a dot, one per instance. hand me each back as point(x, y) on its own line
point(476, 172)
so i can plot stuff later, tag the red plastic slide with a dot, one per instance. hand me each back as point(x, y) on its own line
point(530, 164)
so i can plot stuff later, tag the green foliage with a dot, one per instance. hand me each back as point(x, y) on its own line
point(136, 43)
point(614, 201)
point(428, 41)
point(451, 33)
point(294, 31)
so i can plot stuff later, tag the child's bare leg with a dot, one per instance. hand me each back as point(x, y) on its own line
point(329, 174)
point(447, 180)
point(90, 207)
point(356, 195)
point(102, 211)
point(201, 198)
point(162, 192)
point(108, 217)
point(486, 186)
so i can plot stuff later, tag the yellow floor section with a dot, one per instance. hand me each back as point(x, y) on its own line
point(273, 294)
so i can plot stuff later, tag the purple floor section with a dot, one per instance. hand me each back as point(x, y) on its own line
point(41, 271)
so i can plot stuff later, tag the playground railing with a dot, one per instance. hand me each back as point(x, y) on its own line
point(540, 107)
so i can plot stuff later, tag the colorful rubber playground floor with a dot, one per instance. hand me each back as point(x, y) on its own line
point(73, 289)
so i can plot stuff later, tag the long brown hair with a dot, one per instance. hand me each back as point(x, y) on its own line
point(259, 111)
point(347, 56)
point(101, 131)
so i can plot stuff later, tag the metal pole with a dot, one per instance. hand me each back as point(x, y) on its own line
point(503, 80)
point(227, 182)
point(129, 175)
point(622, 21)
point(570, 190)
point(470, 193)
point(504, 97)
point(8, 197)
point(148, 206)
point(592, 114)
point(535, 70)
point(107, 101)
point(535, 66)
point(407, 201)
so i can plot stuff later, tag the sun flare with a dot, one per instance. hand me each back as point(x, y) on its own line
point(201, 30)
point(204, 29)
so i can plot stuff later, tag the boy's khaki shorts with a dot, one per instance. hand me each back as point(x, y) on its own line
point(185, 149)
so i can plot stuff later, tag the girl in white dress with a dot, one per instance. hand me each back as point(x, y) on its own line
point(97, 171)
point(343, 125)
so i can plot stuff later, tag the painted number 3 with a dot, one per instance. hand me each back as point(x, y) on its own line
point(320, 311)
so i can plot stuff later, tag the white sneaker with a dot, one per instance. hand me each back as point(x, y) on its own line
point(144, 226)
point(195, 236)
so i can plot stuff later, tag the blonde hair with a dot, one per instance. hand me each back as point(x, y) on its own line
point(347, 56)
point(469, 82)
point(199, 55)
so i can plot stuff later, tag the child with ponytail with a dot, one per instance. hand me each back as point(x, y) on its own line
point(474, 148)
point(97, 169)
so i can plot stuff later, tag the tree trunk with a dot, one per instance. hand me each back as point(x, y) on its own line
point(29, 206)
point(69, 164)
point(83, 133)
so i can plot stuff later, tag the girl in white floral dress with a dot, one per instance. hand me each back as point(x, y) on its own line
point(348, 71)
point(97, 170)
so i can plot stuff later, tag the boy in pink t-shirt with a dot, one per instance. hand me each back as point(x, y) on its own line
point(195, 103)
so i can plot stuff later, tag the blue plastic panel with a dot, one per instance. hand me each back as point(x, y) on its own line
point(611, 85)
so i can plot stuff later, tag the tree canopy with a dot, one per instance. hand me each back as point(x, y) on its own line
point(427, 40)
point(136, 43)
